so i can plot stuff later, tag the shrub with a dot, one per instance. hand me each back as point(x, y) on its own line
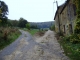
point(75, 38)
point(52, 27)
point(70, 48)
point(28, 26)
point(77, 27)
point(8, 35)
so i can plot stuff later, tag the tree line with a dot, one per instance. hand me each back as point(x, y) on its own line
point(17, 23)
point(5, 22)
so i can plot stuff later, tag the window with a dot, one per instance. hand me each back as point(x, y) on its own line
point(70, 28)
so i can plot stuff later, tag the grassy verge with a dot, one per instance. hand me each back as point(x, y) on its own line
point(9, 38)
point(31, 31)
point(35, 31)
point(70, 49)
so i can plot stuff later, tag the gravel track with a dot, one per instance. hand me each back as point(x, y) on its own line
point(27, 47)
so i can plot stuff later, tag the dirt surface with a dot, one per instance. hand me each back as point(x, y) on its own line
point(28, 47)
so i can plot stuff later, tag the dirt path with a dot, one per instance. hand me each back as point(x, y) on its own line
point(37, 48)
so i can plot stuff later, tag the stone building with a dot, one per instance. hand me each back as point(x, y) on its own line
point(65, 18)
point(57, 18)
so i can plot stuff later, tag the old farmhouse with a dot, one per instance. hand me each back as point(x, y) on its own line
point(65, 17)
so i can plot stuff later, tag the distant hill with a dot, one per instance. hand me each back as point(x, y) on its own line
point(43, 24)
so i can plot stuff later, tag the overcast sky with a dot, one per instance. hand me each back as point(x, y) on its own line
point(32, 10)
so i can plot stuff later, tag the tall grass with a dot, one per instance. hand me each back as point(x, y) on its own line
point(7, 36)
point(72, 50)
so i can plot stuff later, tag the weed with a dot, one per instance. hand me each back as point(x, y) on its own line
point(72, 50)
point(7, 36)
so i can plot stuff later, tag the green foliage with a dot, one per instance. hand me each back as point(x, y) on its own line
point(3, 12)
point(77, 27)
point(7, 36)
point(13, 23)
point(33, 31)
point(75, 38)
point(22, 23)
point(28, 26)
point(52, 27)
point(70, 49)
point(34, 27)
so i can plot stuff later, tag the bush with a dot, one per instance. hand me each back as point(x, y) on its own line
point(72, 50)
point(77, 27)
point(28, 26)
point(52, 27)
point(75, 38)
point(7, 36)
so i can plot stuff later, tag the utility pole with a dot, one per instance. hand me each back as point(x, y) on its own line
point(58, 16)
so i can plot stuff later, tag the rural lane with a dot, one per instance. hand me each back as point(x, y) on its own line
point(27, 47)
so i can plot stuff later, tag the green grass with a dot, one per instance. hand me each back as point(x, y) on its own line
point(34, 31)
point(25, 29)
point(71, 50)
point(31, 31)
point(11, 38)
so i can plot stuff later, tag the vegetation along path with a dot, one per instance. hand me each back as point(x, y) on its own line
point(27, 47)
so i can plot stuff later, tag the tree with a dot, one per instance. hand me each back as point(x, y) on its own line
point(3, 12)
point(28, 26)
point(34, 27)
point(22, 23)
point(12, 23)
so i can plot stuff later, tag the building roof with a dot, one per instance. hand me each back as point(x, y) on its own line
point(64, 6)
point(58, 10)
point(61, 8)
